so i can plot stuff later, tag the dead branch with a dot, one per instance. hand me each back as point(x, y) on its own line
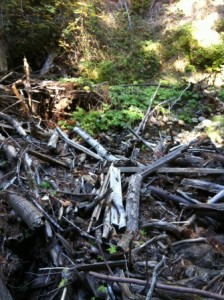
point(132, 202)
point(179, 289)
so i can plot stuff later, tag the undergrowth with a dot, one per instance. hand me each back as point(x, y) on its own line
point(128, 105)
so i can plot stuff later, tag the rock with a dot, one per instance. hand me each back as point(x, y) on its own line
point(194, 120)
point(181, 122)
point(200, 119)
point(175, 120)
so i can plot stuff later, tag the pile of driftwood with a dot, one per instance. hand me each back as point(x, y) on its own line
point(81, 222)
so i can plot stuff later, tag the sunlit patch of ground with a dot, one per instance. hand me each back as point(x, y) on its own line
point(203, 15)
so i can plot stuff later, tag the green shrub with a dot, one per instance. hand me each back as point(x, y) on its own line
point(208, 58)
point(178, 42)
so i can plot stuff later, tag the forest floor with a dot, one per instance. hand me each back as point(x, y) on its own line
point(135, 214)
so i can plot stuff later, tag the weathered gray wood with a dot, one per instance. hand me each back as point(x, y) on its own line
point(196, 171)
point(203, 185)
point(77, 146)
point(219, 196)
point(101, 151)
point(132, 202)
point(124, 242)
point(9, 150)
point(163, 160)
point(118, 216)
point(167, 196)
point(14, 123)
point(97, 210)
point(52, 143)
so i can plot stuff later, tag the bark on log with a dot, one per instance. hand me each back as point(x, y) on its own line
point(132, 202)
point(26, 211)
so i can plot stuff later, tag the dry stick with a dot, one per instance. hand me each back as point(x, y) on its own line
point(173, 288)
point(81, 232)
point(161, 161)
point(77, 146)
point(144, 120)
point(100, 150)
point(203, 185)
point(52, 221)
point(127, 11)
point(147, 144)
point(217, 197)
point(27, 84)
point(6, 76)
point(196, 171)
point(154, 277)
point(48, 159)
point(167, 196)
point(14, 123)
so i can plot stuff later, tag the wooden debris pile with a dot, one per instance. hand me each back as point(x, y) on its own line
point(80, 222)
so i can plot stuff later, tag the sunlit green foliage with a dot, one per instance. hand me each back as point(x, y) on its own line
point(179, 41)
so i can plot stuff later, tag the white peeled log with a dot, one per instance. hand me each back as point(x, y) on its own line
point(100, 150)
point(118, 215)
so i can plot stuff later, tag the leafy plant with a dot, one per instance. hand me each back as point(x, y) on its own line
point(101, 289)
point(112, 249)
point(45, 185)
point(143, 232)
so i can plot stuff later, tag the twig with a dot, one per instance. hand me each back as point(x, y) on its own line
point(144, 120)
point(154, 277)
point(81, 232)
point(173, 288)
point(77, 146)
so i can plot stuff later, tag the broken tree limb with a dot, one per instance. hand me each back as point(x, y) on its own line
point(14, 123)
point(97, 210)
point(167, 196)
point(10, 151)
point(48, 159)
point(141, 126)
point(118, 216)
point(26, 210)
point(52, 144)
point(167, 287)
point(77, 146)
point(132, 202)
point(100, 150)
point(203, 185)
point(216, 198)
point(147, 144)
point(196, 171)
point(163, 160)
point(164, 226)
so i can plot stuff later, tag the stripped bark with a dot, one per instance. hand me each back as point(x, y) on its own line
point(118, 216)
